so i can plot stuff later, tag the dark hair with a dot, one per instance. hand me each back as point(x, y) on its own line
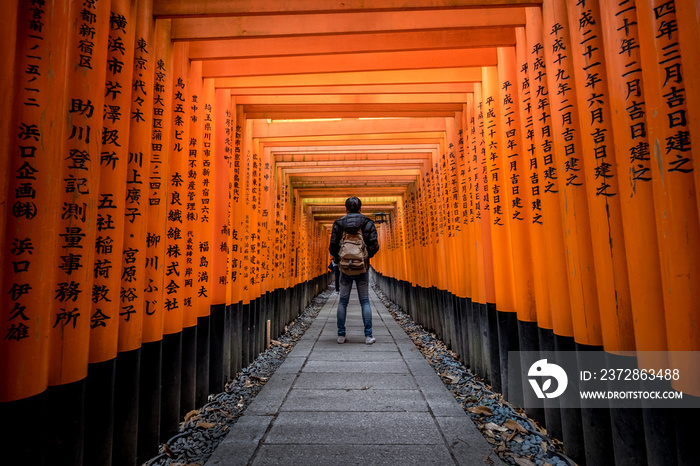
point(353, 204)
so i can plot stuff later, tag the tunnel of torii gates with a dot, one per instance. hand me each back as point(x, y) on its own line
point(171, 170)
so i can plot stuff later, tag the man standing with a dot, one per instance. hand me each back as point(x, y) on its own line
point(354, 222)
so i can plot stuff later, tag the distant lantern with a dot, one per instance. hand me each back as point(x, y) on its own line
point(381, 217)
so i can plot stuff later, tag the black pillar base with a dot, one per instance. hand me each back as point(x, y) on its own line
point(149, 399)
point(597, 433)
point(492, 351)
point(172, 381)
point(23, 415)
point(571, 423)
point(216, 348)
point(203, 344)
point(65, 423)
point(506, 336)
point(99, 412)
point(188, 388)
point(126, 407)
point(529, 340)
point(552, 413)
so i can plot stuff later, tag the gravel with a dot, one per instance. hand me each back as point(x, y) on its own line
point(203, 429)
point(525, 445)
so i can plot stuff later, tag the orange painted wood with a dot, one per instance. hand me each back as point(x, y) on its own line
point(415, 76)
point(544, 170)
point(361, 89)
point(8, 37)
point(673, 181)
point(459, 254)
point(239, 7)
point(635, 183)
point(688, 19)
point(352, 99)
point(518, 197)
point(359, 129)
point(359, 109)
point(468, 167)
point(155, 299)
point(565, 133)
point(84, 211)
point(267, 221)
point(351, 43)
point(602, 180)
point(174, 183)
point(199, 219)
point(350, 62)
point(209, 27)
point(109, 298)
point(133, 276)
point(221, 179)
point(485, 263)
point(30, 214)
point(499, 226)
point(531, 183)
point(238, 178)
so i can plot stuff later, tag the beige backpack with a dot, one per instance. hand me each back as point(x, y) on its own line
point(353, 254)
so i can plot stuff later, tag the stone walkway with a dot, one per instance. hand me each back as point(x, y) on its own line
point(354, 404)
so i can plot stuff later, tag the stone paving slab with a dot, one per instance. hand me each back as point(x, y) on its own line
point(350, 381)
point(358, 356)
point(354, 404)
point(392, 366)
point(362, 399)
point(376, 428)
point(240, 444)
point(352, 455)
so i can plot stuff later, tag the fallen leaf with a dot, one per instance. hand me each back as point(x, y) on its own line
point(492, 426)
point(511, 424)
point(167, 450)
point(480, 410)
point(523, 462)
point(518, 439)
point(364, 388)
point(192, 413)
point(261, 379)
point(205, 425)
point(543, 445)
point(488, 433)
point(248, 383)
point(492, 441)
point(501, 447)
point(454, 378)
point(510, 436)
point(275, 342)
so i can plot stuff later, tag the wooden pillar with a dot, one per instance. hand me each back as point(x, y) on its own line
point(86, 212)
point(602, 181)
point(565, 133)
point(199, 226)
point(154, 295)
point(673, 182)
point(545, 178)
point(110, 302)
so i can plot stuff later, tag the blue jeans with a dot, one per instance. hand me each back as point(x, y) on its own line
point(362, 281)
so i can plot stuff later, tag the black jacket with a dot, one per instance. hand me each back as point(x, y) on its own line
point(352, 223)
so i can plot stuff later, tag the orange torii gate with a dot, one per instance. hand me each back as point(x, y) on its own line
point(174, 167)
